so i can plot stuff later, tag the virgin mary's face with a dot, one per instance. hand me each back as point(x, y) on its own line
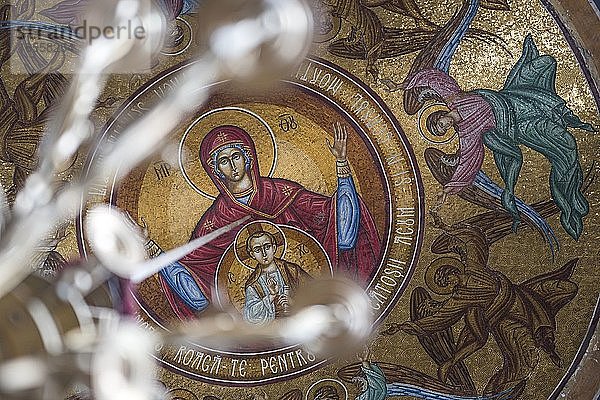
point(232, 164)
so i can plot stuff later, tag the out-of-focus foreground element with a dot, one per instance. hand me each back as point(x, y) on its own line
point(77, 330)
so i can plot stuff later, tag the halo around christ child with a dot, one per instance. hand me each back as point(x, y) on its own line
point(189, 146)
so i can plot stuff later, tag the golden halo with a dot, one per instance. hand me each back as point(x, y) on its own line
point(189, 146)
point(240, 240)
point(430, 137)
point(331, 33)
point(188, 35)
point(433, 268)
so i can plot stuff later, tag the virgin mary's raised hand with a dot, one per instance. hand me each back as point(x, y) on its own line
point(340, 138)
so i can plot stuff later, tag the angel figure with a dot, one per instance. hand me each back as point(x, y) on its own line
point(378, 381)
point(26, 113)
point(520, 317)
point(527, 111)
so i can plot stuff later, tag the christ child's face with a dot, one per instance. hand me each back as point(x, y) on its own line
point(232, 164)
point(262, 249)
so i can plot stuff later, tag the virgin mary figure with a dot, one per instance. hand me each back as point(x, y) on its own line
point(341, 223)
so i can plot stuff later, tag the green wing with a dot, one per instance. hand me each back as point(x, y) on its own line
point(533, 70)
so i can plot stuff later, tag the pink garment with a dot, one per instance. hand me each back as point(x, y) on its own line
point(477, 118)
point(443, 84)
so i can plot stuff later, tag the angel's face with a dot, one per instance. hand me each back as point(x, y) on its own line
point(453, 280)
point(444, 123)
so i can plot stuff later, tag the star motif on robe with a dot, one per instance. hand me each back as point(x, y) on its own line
point(209, 226)
point(222, 137)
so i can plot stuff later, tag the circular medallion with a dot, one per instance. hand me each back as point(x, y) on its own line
point(272, 156)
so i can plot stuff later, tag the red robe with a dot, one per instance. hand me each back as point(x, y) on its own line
point(279, 201)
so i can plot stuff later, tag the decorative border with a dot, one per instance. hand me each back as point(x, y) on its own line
point(596, 94)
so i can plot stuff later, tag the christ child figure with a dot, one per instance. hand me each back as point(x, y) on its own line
point(269, 286)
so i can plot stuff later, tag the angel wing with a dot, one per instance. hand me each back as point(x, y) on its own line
point(398, 42)
point(439, 51)
point(559, 294)
point(370, 40)
point(294, 394)
point(67, 12)
point(440, 346)
point(485, 193)
point(407, 8)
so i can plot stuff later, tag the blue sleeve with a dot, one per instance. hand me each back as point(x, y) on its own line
point(348, 213)
point(183, 284)
point(257, 310)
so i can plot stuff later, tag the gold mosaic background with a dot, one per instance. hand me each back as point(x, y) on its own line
point(517, 256)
